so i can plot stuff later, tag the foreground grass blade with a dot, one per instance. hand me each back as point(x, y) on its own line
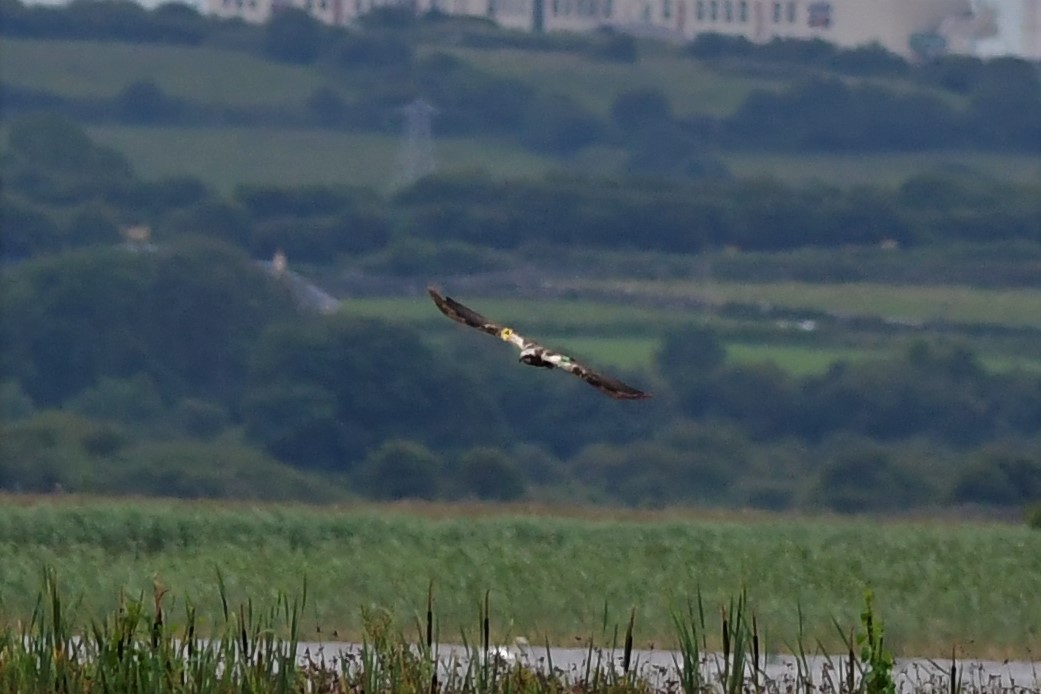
point(135, 648)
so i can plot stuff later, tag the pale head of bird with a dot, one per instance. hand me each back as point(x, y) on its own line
point(505, 334)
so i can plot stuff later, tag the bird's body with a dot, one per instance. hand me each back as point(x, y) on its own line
point(531, 352)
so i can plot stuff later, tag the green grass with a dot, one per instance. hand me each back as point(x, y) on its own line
point(691, 87)
point(524, 315)
point(102, 69)
point(626, 336)
point(1012, 363)
point(1006, 307)
point(226, 157)
point(958, 304)
point(798, 360)
point(638, 353)
point(889, 168)
point(619, 352)
point(258, 648)
point(940, 583)
point(211, 75)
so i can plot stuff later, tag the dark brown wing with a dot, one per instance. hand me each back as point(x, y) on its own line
point(457, 312)
point(609, 386)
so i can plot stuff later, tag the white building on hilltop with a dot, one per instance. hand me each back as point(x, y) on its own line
point(1004, 27)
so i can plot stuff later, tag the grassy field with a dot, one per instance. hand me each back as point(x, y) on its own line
point(799, 360)
point(103, 69)
point(226, 157)
point(937, 584)
point(690, 87)
point(563, 316)
point(98, 69)
point(891, 168)
point(956, 304)
point(628, 336)
point(261, 649)
point(637, 353)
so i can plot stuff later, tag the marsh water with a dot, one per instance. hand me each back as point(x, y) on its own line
point(826, 673)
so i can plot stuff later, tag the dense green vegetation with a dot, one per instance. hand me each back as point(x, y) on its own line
point(940, 584)
point(859, 342)
point(226, 158)
point(810, 338)
point(689, 217)
point(373, 399)
point(177, 366)
point(259, 648)
point(58, 180)
point(183, 356)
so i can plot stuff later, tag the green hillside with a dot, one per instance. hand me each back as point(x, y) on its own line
point(886, 168)
point(104, 68)
point(513, 107)
point(216, 75)
point(691, 87)
point(227, 157)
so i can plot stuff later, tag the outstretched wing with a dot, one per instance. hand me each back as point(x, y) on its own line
point(457, 312)
point(609, 386)
point(532, 352)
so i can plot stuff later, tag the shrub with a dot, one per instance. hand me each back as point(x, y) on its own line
point(639, 108)
point(618, 48)
point(857, 475)
point(200, 419)
point(1034, 516)
point(196, 470)
point(128, 401)
point(400, 470)
point(293, 36)
point(14, 403)
point(690, 351)
point(488, 473)
point(999, 475)
point(53, 451)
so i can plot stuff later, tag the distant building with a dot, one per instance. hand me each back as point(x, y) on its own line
point(901, 26)
point(1018, 29)
point(335, 12)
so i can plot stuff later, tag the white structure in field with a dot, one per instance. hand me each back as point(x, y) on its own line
point(990, 27)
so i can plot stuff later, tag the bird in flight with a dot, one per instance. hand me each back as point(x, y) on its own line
point(532, 353)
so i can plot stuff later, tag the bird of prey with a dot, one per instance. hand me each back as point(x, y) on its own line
point(532, 353)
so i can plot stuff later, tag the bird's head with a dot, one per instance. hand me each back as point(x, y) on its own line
point(505, 334)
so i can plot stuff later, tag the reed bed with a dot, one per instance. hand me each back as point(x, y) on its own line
point(136, 648)
point(944, 583)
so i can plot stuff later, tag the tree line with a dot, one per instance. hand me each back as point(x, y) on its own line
point(180, 367)
point(178, 370)
point(63, 191)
